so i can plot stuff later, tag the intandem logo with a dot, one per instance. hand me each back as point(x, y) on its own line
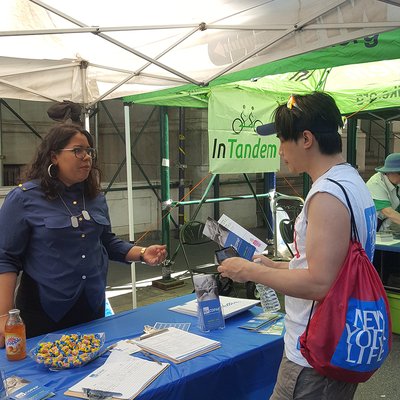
point(245, 121)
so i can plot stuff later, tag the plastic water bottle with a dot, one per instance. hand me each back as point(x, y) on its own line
point(268, 297)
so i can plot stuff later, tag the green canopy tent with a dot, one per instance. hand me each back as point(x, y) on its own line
point(352, 72)
point(344, 70)
point(377, 47)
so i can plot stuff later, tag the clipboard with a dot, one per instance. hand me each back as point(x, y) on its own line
point(121, 380)
point(178, 346)
point(82, 395)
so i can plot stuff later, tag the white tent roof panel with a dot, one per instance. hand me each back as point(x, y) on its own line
point(160, 44)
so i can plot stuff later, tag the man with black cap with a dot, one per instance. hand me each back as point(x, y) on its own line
point(307, 127)
point(384, 187)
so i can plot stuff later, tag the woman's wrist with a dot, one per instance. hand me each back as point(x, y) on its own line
point(141, 255)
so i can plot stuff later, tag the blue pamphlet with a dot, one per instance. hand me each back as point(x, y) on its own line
point(262, 321)
point(209, 309)
point(245, 249)
point(19, 388)
point(225, 238)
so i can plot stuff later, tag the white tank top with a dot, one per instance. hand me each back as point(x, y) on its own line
point(298, 310)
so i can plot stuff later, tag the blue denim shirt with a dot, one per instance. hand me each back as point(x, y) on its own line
point(36, 236)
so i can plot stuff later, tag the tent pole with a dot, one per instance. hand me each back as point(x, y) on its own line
point(182, 163)
point(1, 148)
point(351, 141)
point(96, 127)
point(258, 203)
point(306, 184)
point(387, 138)
point(130, 193)
point(166, 282)
point(216, 186)
point(165, 193)
point(269, 185)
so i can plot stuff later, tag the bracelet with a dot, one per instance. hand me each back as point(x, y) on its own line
point(142, 251)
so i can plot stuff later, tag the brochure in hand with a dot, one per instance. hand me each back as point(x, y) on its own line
point(19, 388)
point(238, 230)
point(225, 238)
point(209, 310)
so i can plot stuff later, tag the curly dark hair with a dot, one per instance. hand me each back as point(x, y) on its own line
point(57, 138)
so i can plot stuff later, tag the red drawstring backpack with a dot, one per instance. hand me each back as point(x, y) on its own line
point(350, 335)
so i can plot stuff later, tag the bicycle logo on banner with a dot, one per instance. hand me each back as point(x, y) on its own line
point(245, 121)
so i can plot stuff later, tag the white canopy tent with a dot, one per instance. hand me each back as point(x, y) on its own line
point(88, 51)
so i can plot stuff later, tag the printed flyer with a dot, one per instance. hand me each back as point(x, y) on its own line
point(225, 238)
point(209, 308)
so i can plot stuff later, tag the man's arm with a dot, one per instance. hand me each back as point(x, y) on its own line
point(392, 214)
point(8, 282)
point(328, 236)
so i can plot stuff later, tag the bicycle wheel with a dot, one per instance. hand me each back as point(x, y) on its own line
point(256, 123)
point(237, 125)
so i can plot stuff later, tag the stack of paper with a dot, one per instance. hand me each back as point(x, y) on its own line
point(122, 376)
point(230, 306)
point(177, 345)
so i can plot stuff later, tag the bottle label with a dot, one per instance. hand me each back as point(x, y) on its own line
point(14, 344)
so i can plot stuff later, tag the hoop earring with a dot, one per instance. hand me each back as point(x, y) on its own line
point(49, 171)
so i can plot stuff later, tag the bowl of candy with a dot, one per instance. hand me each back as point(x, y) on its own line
point(63, 351)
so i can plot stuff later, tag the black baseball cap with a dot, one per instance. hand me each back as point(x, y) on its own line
point(267, 129)
point(319, 126)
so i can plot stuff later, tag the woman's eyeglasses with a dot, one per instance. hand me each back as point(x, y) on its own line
point(81, 152)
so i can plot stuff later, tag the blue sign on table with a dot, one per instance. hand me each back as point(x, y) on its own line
point(209, 309)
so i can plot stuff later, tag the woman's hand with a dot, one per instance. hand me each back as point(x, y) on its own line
point(155, 254)
point(2, 325)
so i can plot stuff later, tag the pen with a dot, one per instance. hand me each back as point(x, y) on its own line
point(152, 358)
point(147, 335)
point(96, 394)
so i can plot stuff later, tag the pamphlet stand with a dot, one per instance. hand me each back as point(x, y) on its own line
point(209, 310)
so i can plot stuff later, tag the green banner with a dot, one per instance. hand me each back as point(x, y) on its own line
point(234, 145)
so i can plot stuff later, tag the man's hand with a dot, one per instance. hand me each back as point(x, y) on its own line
point(236, 268)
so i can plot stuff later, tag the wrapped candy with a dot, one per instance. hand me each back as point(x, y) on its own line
point(67, 351)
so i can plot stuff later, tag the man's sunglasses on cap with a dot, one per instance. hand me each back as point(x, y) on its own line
point(270, 129)
point(317, 126)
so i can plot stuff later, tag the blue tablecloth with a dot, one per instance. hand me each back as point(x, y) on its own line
point(245, 367)
point(395, 248)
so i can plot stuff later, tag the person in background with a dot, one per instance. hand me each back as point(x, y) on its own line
point(384, 187)
point(56, 230)
point(307, 127)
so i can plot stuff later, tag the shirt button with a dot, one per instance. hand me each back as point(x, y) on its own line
point(74, 202)
point(83, 277)
point(83, 235)
point(83, 256)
